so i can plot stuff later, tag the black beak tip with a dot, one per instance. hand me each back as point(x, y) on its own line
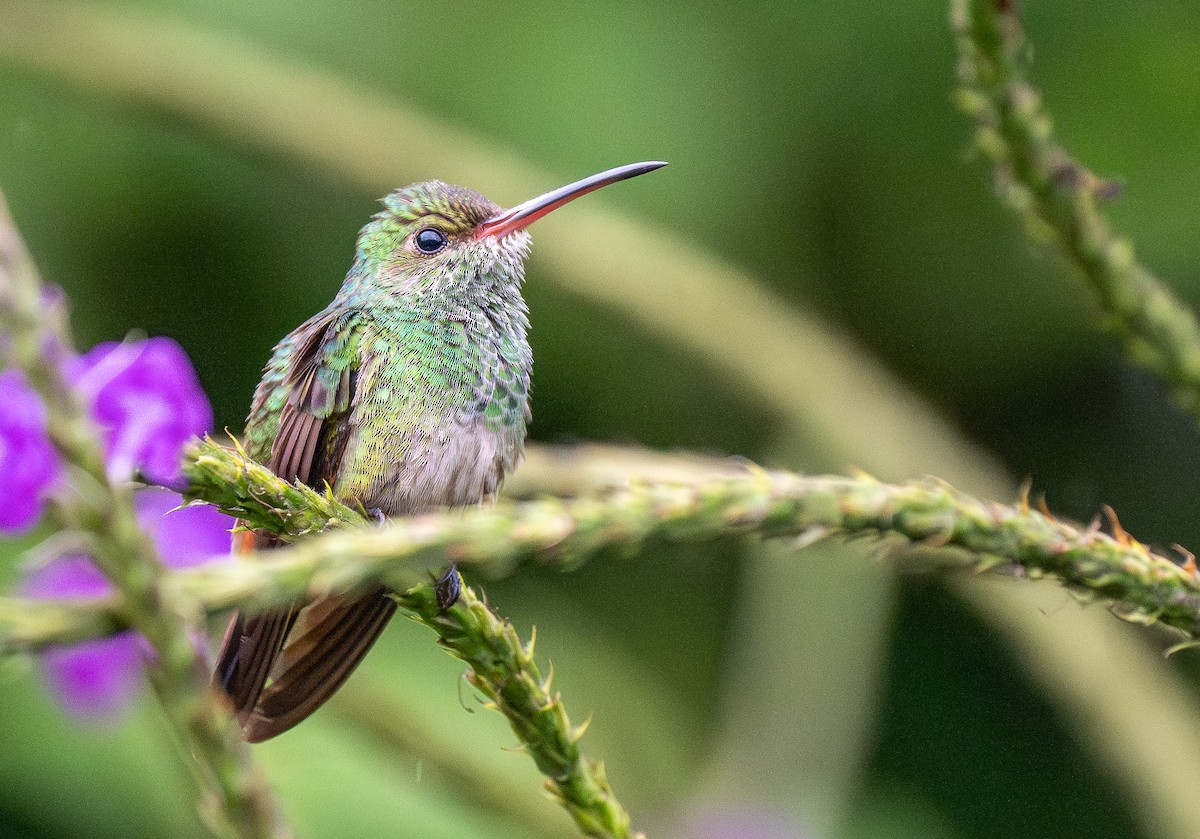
point(648, 166)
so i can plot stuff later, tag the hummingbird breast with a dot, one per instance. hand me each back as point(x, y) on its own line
point(440, 410)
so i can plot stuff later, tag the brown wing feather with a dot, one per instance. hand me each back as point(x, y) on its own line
point(251, 643)
point(328, 641)
point(306, 653)
point(292, 453)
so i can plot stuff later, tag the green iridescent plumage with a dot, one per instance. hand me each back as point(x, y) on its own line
point(433, 347)
point(410, 391)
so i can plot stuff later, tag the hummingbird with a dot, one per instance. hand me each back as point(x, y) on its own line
point(408, 393)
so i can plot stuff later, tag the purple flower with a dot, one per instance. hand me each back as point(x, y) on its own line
point(147, 402)
point(146, 398)
point(28, 462)
point(95, 680)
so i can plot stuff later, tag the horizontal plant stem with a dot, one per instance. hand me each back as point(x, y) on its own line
point(699, 502)
point(234, 799)
point(1059, 198)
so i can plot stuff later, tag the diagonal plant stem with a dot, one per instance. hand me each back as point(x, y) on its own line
point(1059, 198)
point(1059, 201)
point(373, 708)
point(698, 499)
point(235, 801)
point(502, 668)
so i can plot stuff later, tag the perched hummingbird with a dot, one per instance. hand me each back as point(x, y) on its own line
point(409, 392)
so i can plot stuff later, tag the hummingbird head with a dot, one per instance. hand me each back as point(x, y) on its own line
point(434, 237)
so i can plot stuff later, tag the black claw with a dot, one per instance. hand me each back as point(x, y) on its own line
point(447, 588)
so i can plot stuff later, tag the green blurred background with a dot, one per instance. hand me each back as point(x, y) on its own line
point(813, 145)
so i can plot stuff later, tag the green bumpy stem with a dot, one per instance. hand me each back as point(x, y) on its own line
point(502, 668)
point(681, 500)
point(504, 671)
point(234, 798)
point(1059, 198)
point(686, 500)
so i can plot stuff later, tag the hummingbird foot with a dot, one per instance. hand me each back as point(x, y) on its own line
point(447, 588)
point(376, 513)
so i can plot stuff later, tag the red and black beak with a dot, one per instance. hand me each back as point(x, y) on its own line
point(527, 213)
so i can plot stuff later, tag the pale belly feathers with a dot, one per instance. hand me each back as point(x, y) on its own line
point(435, 464)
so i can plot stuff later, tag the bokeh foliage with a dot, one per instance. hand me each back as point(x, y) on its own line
point(813, 144)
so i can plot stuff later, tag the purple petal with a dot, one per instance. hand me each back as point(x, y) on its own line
point(184, 536)
point(95, 680)
point(28, 461)
point(65, 577)
point(146, 397)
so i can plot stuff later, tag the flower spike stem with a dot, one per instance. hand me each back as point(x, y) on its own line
point(623, 499)
point(679, 499)
point(1060, 199)
point(235, 801)
point(626, 498)
point(503, 669)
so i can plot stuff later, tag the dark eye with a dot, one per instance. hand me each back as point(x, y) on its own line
point(430, 240)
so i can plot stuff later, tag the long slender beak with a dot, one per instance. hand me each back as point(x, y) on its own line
point(530, 211)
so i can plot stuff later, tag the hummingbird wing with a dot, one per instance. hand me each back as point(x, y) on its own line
point(306, 652)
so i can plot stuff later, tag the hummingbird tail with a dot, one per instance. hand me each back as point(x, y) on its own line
point(251, 642)
point(330, 639)
point(278, 667)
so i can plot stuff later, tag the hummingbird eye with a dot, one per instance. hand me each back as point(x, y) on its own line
point(430, 240)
